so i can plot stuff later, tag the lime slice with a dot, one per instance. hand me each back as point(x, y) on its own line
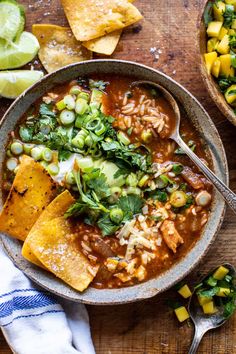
point(12, 20)
point(19, 53)
point(13, 83)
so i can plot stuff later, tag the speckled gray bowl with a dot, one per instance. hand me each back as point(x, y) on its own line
point(206, 128)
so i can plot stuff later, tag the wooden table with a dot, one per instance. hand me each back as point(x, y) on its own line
point(169, 28)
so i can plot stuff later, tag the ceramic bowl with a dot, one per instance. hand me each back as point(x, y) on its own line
point(203, 124)
point(211, 85)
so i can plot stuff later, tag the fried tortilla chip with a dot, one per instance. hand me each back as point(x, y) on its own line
point(91, 19)
point(56, 245)
point(55, 209)
point(58, 46)
point(32, 190)
point(104, 45)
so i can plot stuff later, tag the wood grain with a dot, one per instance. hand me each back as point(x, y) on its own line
point(149, 327)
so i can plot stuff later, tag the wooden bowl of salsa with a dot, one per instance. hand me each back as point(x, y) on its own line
point(139, 215)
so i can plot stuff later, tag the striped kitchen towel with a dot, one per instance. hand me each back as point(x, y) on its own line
point(34, 321)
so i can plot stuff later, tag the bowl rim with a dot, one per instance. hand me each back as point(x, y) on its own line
point(140, 295)
point(208, 80)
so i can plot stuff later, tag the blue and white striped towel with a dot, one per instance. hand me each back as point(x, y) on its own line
point(33, 321)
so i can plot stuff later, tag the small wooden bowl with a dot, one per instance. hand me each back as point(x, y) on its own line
point(211, 85)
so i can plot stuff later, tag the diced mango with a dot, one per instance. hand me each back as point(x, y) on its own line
point(221, 272)
point(231, 31)
point(218, 10)
point(230, 96)
point(209, 60)
point(213, 29)
point(185, 291)
point(225, 68)
point(204, 300)
point(223, 46)
point(182, 313)
point(211, 44)
point(223, 292)
point(215, 70)
point(233, 25)
point(231, 2)
point(209, 308)
point(222, 33)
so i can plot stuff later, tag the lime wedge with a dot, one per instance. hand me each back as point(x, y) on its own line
point(12, 20)
point(19, 53)
point(13, 83)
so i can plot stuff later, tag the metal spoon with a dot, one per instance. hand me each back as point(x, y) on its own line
point(204, 323)
point(227, 194)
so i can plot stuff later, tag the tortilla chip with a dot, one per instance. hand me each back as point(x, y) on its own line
point(55, 209)
point(32, 190)
point(91, 19)
point(104, 45)
point(58, 46)
point(56, 245)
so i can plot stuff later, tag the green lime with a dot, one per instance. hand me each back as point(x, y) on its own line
point(19, 53)
point(13, 83)
point(12, 20)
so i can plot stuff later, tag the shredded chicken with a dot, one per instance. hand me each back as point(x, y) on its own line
point(170, 235)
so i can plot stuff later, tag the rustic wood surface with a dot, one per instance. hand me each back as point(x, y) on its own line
point(149, 327)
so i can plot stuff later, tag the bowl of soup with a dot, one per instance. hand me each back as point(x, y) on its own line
point(98, 205)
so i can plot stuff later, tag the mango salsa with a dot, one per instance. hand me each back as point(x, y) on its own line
point(226, 68)
point(209, 60)
point(223, 46)
point(218, 10)
point(209, 308)
point(203, 300)
point(222, 271)
point(182, 313)
point(215, 70)
point(223, 292)
point(230, 95)
point(212, 44)
point(185, 291)
point(214, 28)
point(222, 33)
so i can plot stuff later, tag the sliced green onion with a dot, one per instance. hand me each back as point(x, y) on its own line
point(177, 168)
point(28, 148)
point(69, 102)
point(75, 90)
point(53, 169)
point(16, 169)
point(16, 148)
point(133, 190)
point(36, 152)
point(9, 153)
point(172, 188)
point(70, 178)
point(116, 190)
point(44, 164)
point(131, 180)
point(85, 163)
point(12, 163)
point(88, 141)
point(93, 124)
point(84, 95)
point(100, 130)
point(81, 106)
point(67, 117)
point(61, 105)
point(116, 215)
point(123, 138)
point(143, 181)
point(47, 155)
point(79, 139)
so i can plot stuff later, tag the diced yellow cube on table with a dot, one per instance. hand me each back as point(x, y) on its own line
point(212, 44)
point(213, 29)
point(209, 60)
point(209, 308)
point(223, 292)
point(226, 68)
point(230, 96)
point(204, 300)
point(182, 313)
point(222, 33)
point(215, 70)
point(223, 46)
point(185, 291)
point(218, 10)
point(222, 271)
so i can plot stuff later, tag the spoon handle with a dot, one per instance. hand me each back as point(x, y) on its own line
point(199, 333)
point(228, 195)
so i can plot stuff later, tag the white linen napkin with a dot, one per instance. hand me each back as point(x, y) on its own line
point(34, 321)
